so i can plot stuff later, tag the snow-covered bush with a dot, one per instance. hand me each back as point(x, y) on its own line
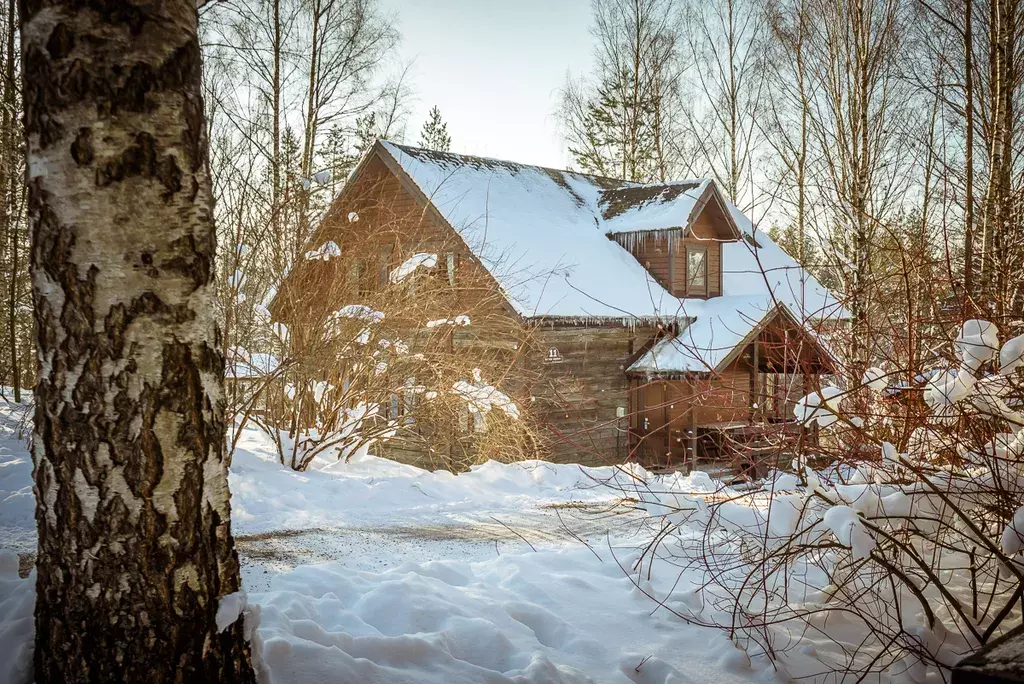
point(385, 352)
point(904, 555)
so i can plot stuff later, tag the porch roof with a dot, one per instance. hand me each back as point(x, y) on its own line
point(719, 329)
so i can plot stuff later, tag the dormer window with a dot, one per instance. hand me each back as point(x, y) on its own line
point(696, 270)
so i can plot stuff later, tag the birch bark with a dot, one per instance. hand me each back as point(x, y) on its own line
point(135, 545)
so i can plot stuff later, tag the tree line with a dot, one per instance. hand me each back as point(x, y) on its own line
point(880, 138)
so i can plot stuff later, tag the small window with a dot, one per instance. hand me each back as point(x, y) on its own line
point(355, 275)
point(697, 270)
point(410, 398)
point(384, 273)
point(451, 261)
point(554, 356)
point(752, 241)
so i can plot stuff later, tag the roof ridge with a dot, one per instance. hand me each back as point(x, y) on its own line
point(415, 150)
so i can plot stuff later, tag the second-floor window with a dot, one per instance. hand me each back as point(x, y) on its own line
point(697, 270)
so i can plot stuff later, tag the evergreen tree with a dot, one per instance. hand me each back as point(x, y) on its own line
point(622, 122)
point(434, 135)
point(367, 132)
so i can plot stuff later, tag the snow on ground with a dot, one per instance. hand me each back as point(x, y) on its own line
point(380, 572)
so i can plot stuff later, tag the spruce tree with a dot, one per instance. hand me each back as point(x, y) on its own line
point(434, 135)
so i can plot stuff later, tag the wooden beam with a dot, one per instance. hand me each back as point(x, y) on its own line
point(693, 430)
point(755, 390)
point(666, 431)
point(672, 263)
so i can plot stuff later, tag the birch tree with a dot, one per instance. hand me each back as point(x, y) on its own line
point(788, 120)
point(133, 512)
point(727, 41)
point(13, 272)
point(860, 129)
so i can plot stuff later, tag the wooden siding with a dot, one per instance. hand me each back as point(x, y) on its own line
point(663, 253)
point(579, 396)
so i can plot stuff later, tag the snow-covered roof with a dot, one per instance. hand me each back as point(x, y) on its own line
point(636, 208)
point(719, 324)
point(544, 236)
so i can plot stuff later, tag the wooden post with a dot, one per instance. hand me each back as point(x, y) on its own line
point(693, 430)
point(755, 390)
point(665, 430)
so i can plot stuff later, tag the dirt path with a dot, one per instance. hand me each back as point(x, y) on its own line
point(476, 536)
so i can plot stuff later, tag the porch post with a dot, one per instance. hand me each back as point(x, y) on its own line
point(693, 429)
point(671, 262)
point(666, 425)
point(755, 385)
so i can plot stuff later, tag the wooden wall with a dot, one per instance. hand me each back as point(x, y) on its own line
point(663, 253)
point(579, 396)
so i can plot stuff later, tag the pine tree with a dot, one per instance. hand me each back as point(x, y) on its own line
point(131, 473)
point(622, 122)
point(367, 132)
point(434, 135)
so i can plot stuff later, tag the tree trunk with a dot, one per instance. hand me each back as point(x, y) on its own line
point(275, 165)
point(133, 511)
point(969, 150)
point(8, 185)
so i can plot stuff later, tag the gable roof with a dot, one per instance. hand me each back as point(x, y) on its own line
point(544, 236)
point(721, 329)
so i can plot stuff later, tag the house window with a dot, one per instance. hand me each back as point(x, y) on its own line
point(410, 398)
point(385, 267)
point(554, 356)
point(355, 276)
point(697, 270)
point(450, 258)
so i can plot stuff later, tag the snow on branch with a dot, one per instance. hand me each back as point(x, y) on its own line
point(482, 397)
point(325, 252)
point(409, 266)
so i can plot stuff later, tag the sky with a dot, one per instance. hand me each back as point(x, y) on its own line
point(494, 68)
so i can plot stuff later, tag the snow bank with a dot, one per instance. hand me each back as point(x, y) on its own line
point(552, 617)
point(17, 626)
point(268, 496)
point(17, 503)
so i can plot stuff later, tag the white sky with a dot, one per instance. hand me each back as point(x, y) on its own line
point(494, 68)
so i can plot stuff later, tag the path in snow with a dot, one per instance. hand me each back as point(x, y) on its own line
point(465, 536)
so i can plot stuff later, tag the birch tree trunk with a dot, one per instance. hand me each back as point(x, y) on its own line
point(8, 191)
point(135, 545)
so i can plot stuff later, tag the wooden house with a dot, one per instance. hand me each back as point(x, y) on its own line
point(662, 322)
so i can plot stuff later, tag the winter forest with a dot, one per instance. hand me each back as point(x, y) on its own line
point(299, 383)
